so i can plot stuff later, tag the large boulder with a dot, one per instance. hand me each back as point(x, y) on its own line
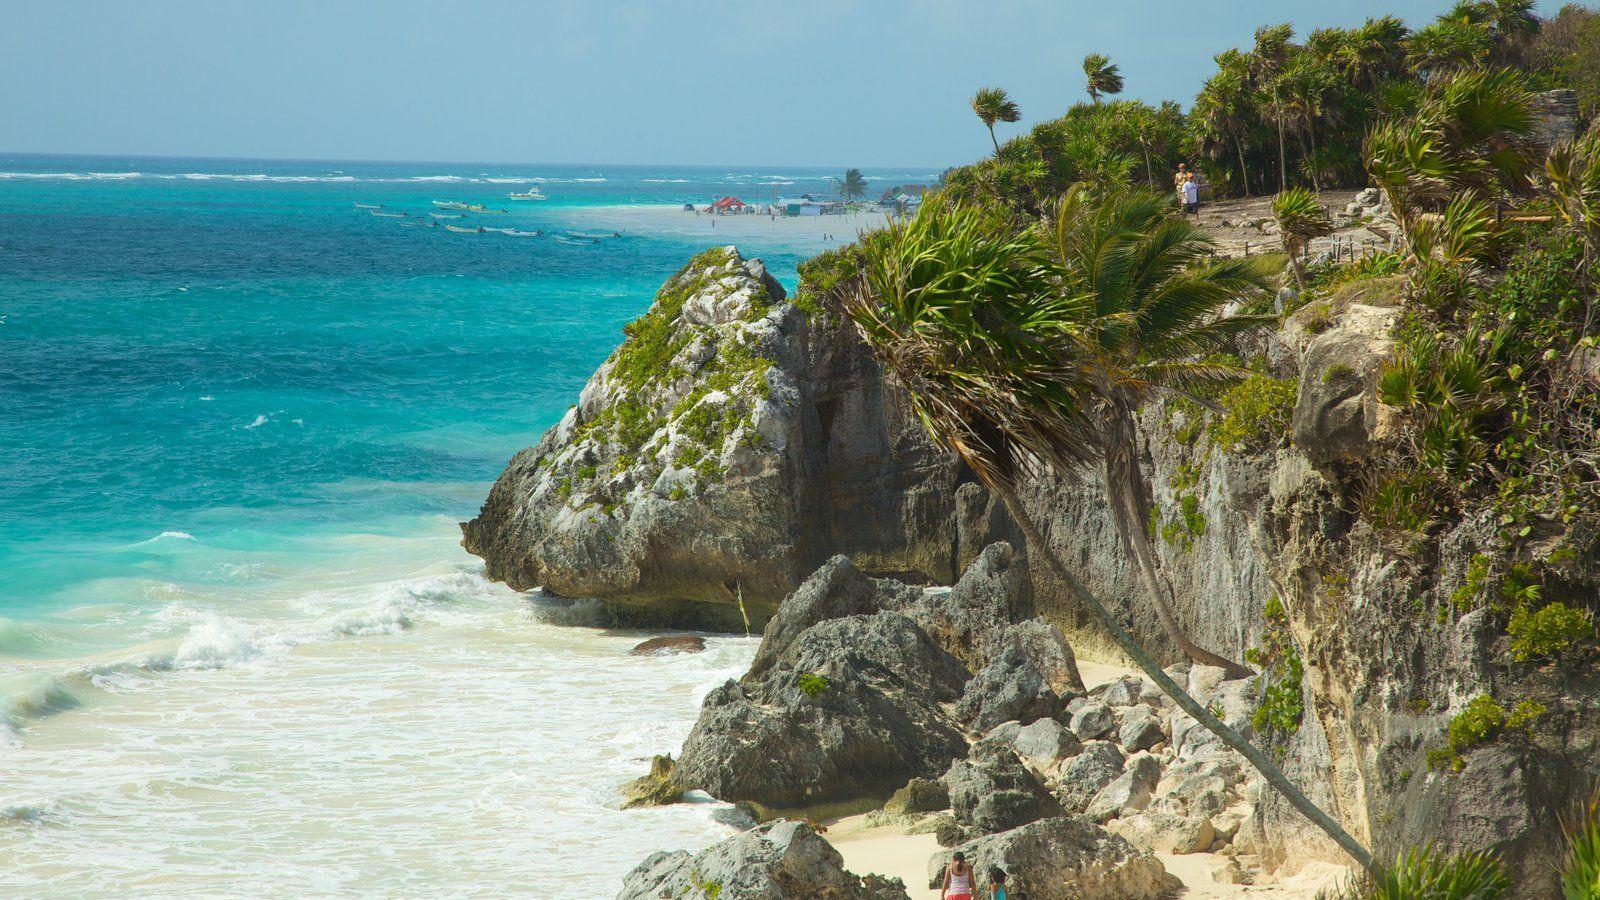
point(835, 590)
point(970, 618)
point(729, 446)
point(1338, 416)
point(1064, 858)
point(993, 791)
point(777, 861)
point(1099, 764)
point(847, 714)
point(1010, 688)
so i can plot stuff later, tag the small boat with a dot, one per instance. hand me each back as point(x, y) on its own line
point(384, 215)
point(479, 208)
point(450, 204)
point(566, 240)
point(369, 206)
point(532, 193)
point(460, 230)
point(593, 235)
point(447, 215)
point(512, 232)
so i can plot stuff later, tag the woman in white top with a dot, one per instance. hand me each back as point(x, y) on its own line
point(957, 879)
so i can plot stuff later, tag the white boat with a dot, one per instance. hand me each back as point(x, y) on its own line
point(369, 206)
point(532, 193)
point(447, 215)
point(512, 232)
point(450, 204)
point(460, 230)
point(384, 215)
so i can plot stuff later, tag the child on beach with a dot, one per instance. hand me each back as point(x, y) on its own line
point(997, 884)
point(957, 879)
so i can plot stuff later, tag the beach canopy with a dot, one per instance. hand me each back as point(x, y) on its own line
point(728, 203)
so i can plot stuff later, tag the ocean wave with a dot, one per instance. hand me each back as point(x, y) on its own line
point(260, 420)
point(665, 180)
point(166, 536)
point(33, 695)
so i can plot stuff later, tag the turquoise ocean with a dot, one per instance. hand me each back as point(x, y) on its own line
point(243, 405)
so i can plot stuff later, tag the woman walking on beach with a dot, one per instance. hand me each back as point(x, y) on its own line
point(957, 879)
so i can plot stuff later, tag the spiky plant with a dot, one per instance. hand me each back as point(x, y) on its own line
point(1300, 219)
point(1424, 873)
point(1573, 171)
point(1101, 76)
point(1580, 868)
point(992, 104)
point(1449, 45)
point(1011, 357)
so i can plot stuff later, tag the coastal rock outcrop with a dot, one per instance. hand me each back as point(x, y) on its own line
point(728, 446)
point(781, 860)
point(1064, 858)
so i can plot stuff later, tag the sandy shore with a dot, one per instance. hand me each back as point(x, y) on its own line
point(824, 231)
point(888, 850)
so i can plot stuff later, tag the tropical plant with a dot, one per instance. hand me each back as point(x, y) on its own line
point(1449, 45)
point(852, 185)
point(1580, 869)
point(1224, 112)
point(992, 104)
point(1300, 219)
point(1424, 873)
point(994, 345)
point(1573, 170)
point(1271, 54)
point(1101, 76)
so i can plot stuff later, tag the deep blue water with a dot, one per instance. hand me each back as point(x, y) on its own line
point(232, 353)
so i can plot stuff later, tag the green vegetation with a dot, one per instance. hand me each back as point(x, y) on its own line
point(1255, 413)
point(650, 346)
point(1281, 706)
point(1474, 585)
point(813, 684)
point(1300, 218)
point(1483, 720)
point(1580, 868)
point(1549, 633)
point(991, 105)
point(1101, 76)
point(852, 185)
point(1424, 873)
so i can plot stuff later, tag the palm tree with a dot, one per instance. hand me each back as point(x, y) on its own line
point(1101, 75)
point(968, 315)
point(852, 185)
point(993, 105)
point(1449, 45)
point(1271, 54)
point(1224, 110)
point(1300, 218)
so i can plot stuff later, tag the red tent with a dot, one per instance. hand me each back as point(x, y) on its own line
point(727, 203)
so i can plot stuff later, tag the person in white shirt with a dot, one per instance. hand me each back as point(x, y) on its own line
point(1191, 196)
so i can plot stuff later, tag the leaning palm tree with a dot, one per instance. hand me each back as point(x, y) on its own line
point(993, 105)
point(969, 316)
point(1154, 325)
point(1101, 76)
point(852, 185)
point(1300, 218)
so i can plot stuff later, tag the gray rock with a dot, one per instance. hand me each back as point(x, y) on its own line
point(654, 789)
point(920, 795)
point(1091, 721)
point(835, 590)
point(1044, 743)
point(967, 620)
point(1097, 766)
point(871, 722)
point(1010, 688)
point(1129, 793)
point(1046, 647)
point(1126, 690)
point(1165, 832)
point(993, 791)
point(1064, 858)
point(1337, 416)
point(777, 861)
point(1140, 729)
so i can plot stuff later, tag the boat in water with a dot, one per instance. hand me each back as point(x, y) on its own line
point(384, 215)
point(532, 193)
point(369, 206)
point(447, 215)
point(451, 204)
point(512, 232)
point(480, 208)
point(458, 229)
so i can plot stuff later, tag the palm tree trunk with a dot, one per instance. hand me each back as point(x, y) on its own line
point(1254, 755)
point(1283, 161)
point(1244, 174)
point(1149, 177)
point(1128, 496)
point(995, 141)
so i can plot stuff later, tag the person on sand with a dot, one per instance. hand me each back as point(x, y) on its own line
point(1191, 197)
point(997, 884)
point(957, 879)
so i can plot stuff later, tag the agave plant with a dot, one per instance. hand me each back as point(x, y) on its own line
point(1014, 355)
point(1580, 869)
point(1573, 170)
point(1300, 219)
point(1425, 873)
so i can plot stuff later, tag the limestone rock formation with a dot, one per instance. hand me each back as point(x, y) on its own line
point(777, 861)
point(1065, 858)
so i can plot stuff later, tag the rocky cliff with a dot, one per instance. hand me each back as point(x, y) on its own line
point(733, 443)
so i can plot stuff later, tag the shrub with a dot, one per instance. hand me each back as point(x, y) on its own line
point(1281, 708)
point(1580, 869)
point(1480, 722)
point(1401, 503)
point(1473, 585)
point(1255, 412)
point(1548, 633)
point(813, 684)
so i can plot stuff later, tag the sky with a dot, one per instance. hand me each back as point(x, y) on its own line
point(714, 82)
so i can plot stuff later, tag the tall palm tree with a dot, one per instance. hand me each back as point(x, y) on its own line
point(1300, 218)
point(1268, 58)
point(851, 185)
point(1449, 45)
point(993, 105)
point(1224, 110)
point(969, 316)
point(1101, 76)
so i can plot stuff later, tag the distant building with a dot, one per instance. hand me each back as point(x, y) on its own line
point(728, 205)
point(805, 206)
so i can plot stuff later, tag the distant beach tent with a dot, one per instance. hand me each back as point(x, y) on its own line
point(805, 206)
point(728, 204)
